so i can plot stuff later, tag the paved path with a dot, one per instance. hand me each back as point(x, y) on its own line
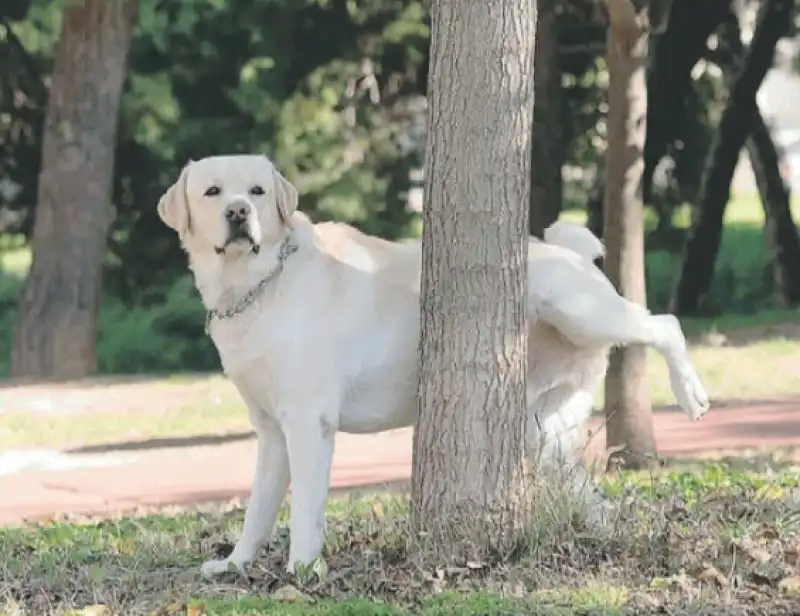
point(187, 475)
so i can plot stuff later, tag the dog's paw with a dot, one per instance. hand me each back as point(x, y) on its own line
point(690, 393)
point(214, 568)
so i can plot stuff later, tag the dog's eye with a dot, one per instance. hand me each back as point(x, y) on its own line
point(213, 191)
point(257, 190)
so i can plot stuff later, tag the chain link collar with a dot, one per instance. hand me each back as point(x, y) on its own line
point(287, 247)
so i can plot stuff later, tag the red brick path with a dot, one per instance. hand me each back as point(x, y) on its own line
point(186, 475)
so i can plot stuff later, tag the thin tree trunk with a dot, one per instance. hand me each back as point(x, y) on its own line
point(55, 332)
point(701, 249)
point(674, 55)
point(782, 235)
point(629, 422)
point(765, 159)
point(548, 143)
point(469, 478)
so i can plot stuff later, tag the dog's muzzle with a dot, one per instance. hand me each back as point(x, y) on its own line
point(237, 217)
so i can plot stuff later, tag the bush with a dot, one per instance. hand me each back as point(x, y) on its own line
point(163, 337)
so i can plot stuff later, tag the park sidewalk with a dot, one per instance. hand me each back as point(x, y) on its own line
point(182, 475)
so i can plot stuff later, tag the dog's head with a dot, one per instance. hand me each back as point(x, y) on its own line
point(229, 204)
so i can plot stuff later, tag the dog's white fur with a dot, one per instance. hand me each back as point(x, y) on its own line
point(332, 342)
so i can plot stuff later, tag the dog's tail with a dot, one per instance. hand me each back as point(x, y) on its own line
point(575, 238)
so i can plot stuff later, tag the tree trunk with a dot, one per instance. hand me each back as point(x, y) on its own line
point(674, 54)
point(548, 143)
point(629, 422)
point(701, 249)
point(765, 159)
point(782, 236)
point(55, 331)
point(469, 481)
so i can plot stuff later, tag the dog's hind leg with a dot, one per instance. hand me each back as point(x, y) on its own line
point(270, 481)
point(556, 431)
point(591, 314)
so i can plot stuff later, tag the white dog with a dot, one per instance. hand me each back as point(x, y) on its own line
point(318, 327)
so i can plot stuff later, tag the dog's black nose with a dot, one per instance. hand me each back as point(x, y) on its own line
point(236, 213)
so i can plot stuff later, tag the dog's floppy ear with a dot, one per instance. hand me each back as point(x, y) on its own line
point(173, 207)
point(286, 198)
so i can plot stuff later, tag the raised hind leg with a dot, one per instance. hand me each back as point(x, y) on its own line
point(590, 314)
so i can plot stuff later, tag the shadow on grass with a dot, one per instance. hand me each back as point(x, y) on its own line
point(167, 443)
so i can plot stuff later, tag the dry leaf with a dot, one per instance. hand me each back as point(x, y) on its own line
point(792, 556)
point(768, 531)
point(790, 586)
point(289, 593)
point(756, 554)
point(473, 565)
point(198, 609)
point(712, 574)
point(377, 509)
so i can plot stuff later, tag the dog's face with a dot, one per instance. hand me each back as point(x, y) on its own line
point(229, 204)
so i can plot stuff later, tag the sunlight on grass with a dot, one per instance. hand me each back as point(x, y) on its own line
point(15, 256)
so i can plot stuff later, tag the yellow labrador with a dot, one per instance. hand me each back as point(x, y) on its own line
point(318, 327)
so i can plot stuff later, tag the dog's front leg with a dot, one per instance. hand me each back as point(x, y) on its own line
point(310, 441)
point(270, 481)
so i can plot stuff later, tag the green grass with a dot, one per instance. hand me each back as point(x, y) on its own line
point(705, 541)
point(214, 409)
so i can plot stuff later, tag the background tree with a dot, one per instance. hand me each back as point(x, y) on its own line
point(629, 422)
point(468, 480)
point(547, 157)
point(782, 235)
point(55, 332)
point(773, 22)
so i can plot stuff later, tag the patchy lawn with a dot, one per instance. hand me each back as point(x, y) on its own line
point(710, 541)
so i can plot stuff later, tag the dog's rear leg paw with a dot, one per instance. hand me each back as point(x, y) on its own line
point(690, 393)
point(214, 568)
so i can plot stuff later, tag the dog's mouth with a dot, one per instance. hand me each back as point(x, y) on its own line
point(238, 236)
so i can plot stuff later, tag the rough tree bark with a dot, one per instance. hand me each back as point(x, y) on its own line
point(55, 331)
point(700, 251)
point(629, 423)
point(781, 232)
point(469, 479)
point(548, 143)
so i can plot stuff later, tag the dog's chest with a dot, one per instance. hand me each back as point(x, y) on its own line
point(239, 342)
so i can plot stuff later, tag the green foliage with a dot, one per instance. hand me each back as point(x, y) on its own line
point(162, 337)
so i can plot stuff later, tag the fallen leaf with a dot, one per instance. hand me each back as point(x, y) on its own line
point(790, 586)
point(792, 556)
point(289, 593)
point(377, 509)
point(712, 574)
point(127, 547)
point(768, 531)
point(196, 609)
point(757, 554)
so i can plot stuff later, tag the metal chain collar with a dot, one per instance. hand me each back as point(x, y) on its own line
point(287, 247)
